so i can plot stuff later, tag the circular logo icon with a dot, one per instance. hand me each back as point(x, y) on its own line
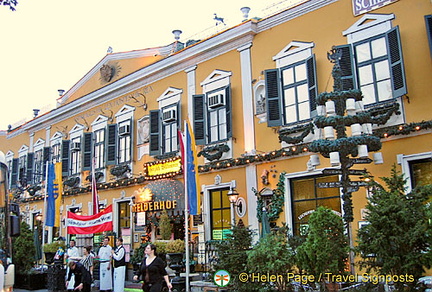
point(221, 278)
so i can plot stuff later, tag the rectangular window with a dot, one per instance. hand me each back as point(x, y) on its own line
point(75, 156)
point(217, 110)
point(169, 129)
point(99, 148)
point(421, 172)
point(124, 146)
point(220, 214)
point(22, 163)
point(56, 153)
point(374, 70)
point(291, 93)
point(307, 197)
point(38, 166)
point(124, 215)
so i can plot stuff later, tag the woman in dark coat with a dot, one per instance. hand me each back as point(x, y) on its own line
point(152, 271)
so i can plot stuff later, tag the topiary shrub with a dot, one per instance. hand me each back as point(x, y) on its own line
point(23, 250)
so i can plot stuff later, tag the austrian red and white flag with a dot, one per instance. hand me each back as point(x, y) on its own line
point(102, 221)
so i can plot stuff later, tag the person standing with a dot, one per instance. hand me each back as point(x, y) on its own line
point(152, 271)
point(105, 275)
point(72, 254)
point(119, 265)
point(81, 275)
point(87, 259)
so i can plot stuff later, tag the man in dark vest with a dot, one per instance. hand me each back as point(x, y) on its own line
point(119, 265)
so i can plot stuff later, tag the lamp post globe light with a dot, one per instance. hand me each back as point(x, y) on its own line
point(233, 197)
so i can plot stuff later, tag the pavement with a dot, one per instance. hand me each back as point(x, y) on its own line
point(129, 287)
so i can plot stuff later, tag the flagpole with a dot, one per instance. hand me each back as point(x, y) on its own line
point(185, 165)
point(45, 208)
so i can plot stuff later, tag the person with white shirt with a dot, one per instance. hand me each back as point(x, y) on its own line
point(119, 256)
point(72, 254)
point(105, 272)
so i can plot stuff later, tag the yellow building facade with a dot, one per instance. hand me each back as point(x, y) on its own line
point(250, 93)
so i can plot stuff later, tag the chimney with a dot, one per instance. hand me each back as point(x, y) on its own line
point(177, 34)
point(245, 11)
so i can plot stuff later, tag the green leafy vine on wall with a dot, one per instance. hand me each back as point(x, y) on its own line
point(275, 207)
point(214, 152)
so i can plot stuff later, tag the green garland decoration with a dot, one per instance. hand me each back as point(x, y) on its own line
point(214, 152)
point(277, 201)
point(403, 129)
point(284, 133)
point(339, 95)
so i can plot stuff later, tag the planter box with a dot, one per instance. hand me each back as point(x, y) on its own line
point(31, 281)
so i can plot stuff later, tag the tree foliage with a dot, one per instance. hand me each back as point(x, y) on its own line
point(23, 249)
point(326, 247)
point(274, 254)
point(397, 240)
point(232, 255)
point(165, 226)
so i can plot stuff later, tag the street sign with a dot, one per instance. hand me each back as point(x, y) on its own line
point(357, 171)
point(329, 184)
point(359, 183)
point(361, 160)
point(331, 171)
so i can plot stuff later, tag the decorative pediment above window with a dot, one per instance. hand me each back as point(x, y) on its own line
point(170, 92)
point(125, 110)
point(216, 75)
point(57, 136)
point(100, 119)
point(76, 128)
point(39, 143)
point(295, 51)
point(369, 20)
point(24, 148)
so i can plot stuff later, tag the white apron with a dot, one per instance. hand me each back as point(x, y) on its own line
point(105, 275)
point(119, 278)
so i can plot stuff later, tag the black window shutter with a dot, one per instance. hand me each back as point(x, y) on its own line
point(111, 143)
point(199, 125)
point(14, 176)
point(428, 19)
point(65, 157)
point(228, 107)
point(154, 133)
point(178, 121)
point(312, 82)
point(346, 63)
point(396, 62)
point(273, 97)
point(46, 158)
point(87, 151)
point(29, 174)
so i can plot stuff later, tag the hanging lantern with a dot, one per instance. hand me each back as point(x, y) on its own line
point(329, 132)
point(330, 107)
point(367, 128)
point(359, 106)
point(315, 161)
point(356, 130)
point(321, 110)
point(334, 158)
point(350, 104)
point(378, 158)
point(362, 151)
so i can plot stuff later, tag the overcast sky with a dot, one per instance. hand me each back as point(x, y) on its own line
point(51, 44)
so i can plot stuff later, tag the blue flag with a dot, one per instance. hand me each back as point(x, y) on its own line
point(52, 192)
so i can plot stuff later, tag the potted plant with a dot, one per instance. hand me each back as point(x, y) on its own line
point(50, 249)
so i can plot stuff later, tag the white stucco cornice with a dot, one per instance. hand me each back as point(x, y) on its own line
point(292, 13)
point(367, 21)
